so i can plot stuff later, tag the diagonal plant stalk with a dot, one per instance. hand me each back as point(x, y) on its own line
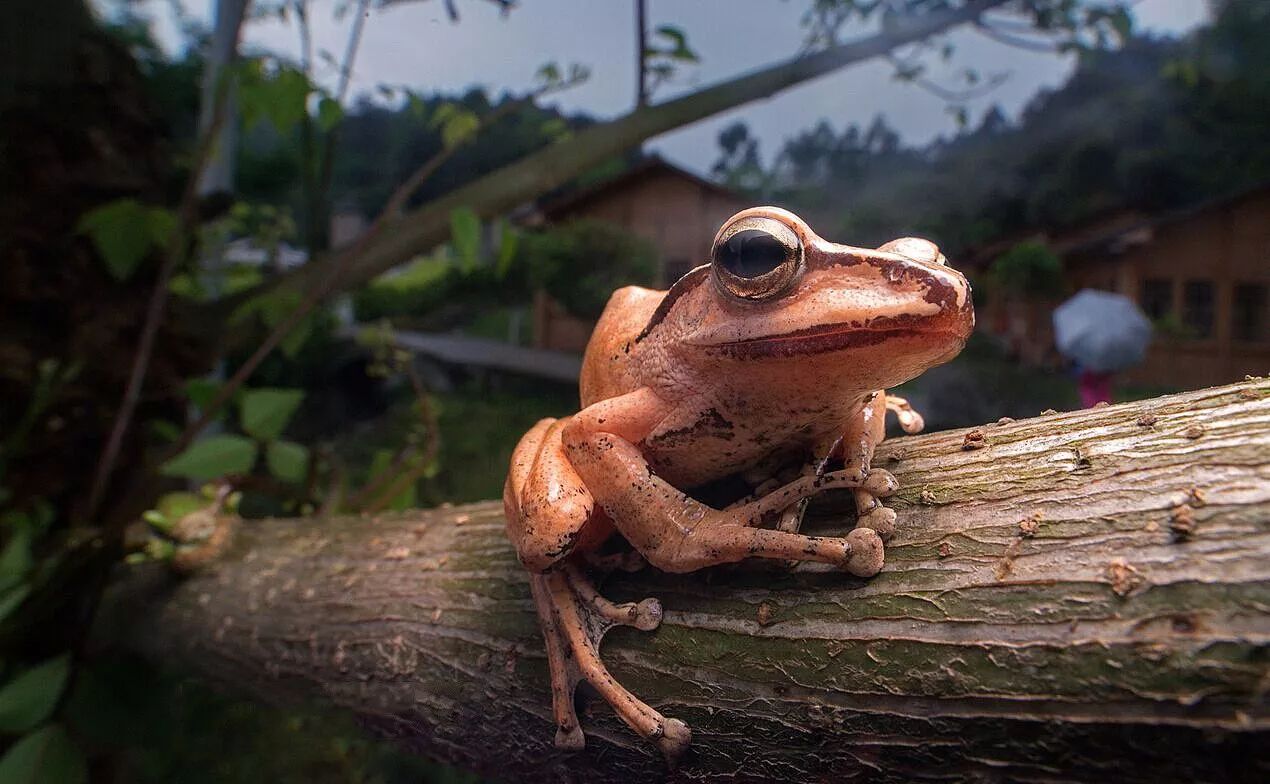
point(174, 253)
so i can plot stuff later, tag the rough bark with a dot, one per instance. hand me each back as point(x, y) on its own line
point(1085, 596)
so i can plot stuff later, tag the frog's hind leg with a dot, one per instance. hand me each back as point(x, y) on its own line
point(575, 618)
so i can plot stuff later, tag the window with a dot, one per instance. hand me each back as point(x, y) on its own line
point(1157, 298)
point(1197, 307)
point(1248, 314)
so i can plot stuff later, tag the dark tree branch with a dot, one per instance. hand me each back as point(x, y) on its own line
point(1085, 598)
point(495, 193)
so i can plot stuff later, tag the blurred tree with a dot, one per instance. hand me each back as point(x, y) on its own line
point(1028, 270)
point(1156, 124)
point(581, 263)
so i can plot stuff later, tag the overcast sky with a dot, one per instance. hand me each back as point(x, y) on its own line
point(415, 44)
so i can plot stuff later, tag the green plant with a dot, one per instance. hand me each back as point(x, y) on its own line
point(581, 263)
point(1029, 269)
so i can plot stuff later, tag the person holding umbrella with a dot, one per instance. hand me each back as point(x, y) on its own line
point(1103, 333)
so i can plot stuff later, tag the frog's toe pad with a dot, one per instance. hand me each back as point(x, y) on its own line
point(881, 520)
point(570, 739)
point(674, 740)
point(880, 483)
point(867, 553)
point(647, 616)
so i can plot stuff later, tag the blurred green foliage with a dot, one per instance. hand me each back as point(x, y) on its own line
point(582, 262)
point(1029, 269)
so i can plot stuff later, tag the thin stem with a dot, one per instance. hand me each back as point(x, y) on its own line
point(641, 54)
point(1016, 41)
point(327, 165)
point(174, 253)
point(424, 457)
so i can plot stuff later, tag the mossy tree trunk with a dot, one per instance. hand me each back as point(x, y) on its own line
point(1086, 596)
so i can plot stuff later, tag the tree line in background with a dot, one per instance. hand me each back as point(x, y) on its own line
point(1158, 124)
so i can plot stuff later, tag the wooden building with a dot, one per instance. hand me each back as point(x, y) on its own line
point(1201, 274)
point(674, 209)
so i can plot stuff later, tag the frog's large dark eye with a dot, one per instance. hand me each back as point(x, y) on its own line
point(756, 258)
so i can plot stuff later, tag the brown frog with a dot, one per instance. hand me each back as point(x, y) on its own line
point(778, 350)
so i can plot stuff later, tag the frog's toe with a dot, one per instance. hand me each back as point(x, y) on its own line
point(867, 552)
point(880, 483)
point(674, 740)
point(881, 520)
point(570, 739)
point(647, 615)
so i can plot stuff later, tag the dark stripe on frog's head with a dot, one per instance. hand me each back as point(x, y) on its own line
point(682, 286)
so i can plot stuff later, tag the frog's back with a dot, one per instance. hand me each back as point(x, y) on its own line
point(606, 366)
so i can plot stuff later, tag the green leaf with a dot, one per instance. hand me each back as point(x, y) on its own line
point(174, 506)
point(12, 599)
point(549, 73)
point(508, 242)
point(279, 96)
point(679, 44)
point(407, 498)
point(459, 128)
point(201, 391)
point(30, 698)
point(287, 461)
point(297, 336)
point(164, 430)
point(329, 114)
point(1121, 22)
point(124, 231)
point(16, 560)
point(47, 756)
point(465, 235)
point(265, 412)
point(212, 458)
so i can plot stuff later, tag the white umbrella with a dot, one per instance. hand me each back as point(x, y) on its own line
point(1102, 331)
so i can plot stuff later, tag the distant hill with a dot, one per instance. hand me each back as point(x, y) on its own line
point(1158, 124)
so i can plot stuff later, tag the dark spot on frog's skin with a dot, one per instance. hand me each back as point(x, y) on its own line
point(564, 545)
point(710, 424)
point(822, 339)
point(682, 286)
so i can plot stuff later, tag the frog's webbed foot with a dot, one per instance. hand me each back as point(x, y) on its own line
point(575, 618)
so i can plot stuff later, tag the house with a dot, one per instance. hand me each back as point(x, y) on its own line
point(1201, 274)
point(674, 209)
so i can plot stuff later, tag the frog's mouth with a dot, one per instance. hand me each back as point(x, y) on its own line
point(820, 339)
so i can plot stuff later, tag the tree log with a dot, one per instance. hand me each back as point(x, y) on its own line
point(1086, 595)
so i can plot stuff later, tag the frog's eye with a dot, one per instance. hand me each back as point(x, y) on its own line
point(757, 258)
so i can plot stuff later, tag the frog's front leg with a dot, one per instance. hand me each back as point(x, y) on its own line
point(675, 532)
point(552, 521)
point(863, 433)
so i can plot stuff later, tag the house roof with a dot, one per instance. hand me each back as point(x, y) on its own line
point(650, 166)
point(1112, 232)
point(1143, 231)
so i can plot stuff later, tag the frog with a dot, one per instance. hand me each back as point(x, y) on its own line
point(779, 348)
